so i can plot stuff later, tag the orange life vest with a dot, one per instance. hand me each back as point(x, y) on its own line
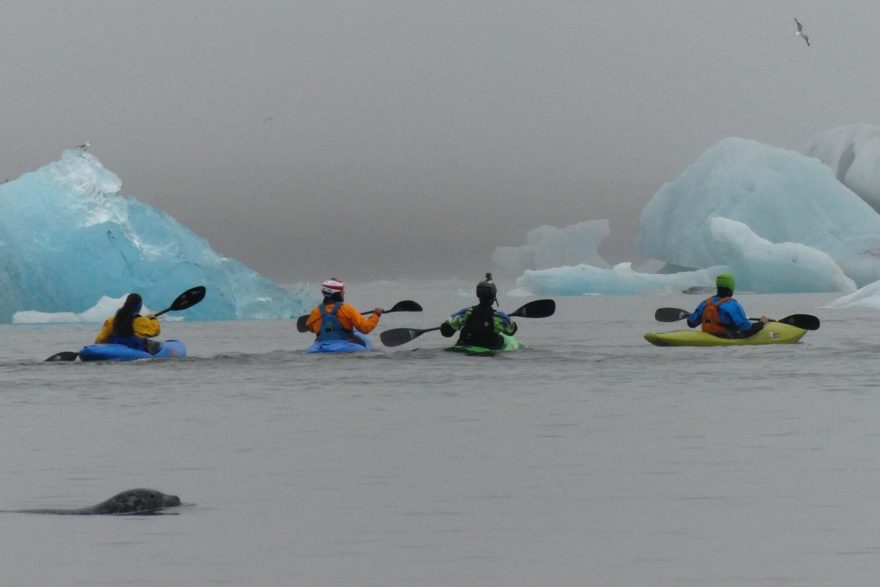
point(711, 320)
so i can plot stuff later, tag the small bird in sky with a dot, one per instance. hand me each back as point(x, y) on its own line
point(268, 118)
point(800, 32)
point(85, 146)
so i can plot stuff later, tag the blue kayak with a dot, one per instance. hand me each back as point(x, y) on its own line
point(342, 346)
point(119, 352)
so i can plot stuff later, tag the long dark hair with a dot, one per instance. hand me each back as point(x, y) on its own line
point(122, 322)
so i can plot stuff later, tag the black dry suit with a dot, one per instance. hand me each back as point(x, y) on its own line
point(479, 328)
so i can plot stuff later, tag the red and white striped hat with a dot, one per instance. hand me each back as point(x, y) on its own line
point(332, 286)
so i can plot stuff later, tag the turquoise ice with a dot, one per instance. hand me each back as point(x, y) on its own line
point(68, 237)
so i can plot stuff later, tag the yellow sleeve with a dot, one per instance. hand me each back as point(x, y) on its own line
point(106, 329)
point(145, 327)
point(354, 320)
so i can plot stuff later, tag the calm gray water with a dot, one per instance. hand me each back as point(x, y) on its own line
point(591, 458)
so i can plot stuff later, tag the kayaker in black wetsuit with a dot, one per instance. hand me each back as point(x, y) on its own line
point(480, 325)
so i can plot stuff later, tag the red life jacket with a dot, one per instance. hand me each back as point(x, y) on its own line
point(711, 320)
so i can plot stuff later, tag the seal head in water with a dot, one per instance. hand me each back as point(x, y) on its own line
point(132, 501)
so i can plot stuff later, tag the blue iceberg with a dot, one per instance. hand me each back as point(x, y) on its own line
point(69, 238)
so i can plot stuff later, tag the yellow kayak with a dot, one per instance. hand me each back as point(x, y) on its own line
point(772, 333)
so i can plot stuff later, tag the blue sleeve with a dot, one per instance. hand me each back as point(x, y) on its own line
point(505, 319)
point(735, 314)
point(458, 319)
point(503, 323)
point(696, 317)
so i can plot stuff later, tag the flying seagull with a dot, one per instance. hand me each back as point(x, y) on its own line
point(800, 32)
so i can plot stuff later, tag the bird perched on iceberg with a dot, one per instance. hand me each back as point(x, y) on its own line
point(800, 32)
point(85, 146)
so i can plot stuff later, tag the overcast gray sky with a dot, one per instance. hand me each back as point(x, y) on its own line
point(410, 138)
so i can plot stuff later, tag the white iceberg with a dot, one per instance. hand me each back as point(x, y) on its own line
point(105, 308)
point(783, 196)
point(761, 265)
point(619, 280)
point(853, 154)
point(866, 297)
point(549, 246)
point(756, 263)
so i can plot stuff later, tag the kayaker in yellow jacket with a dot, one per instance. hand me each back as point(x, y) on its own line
point(333, 319)
point(128, 327)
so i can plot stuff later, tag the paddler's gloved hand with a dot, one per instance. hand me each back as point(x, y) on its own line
point(446, 330)
point(377, 311)
point(513, 328)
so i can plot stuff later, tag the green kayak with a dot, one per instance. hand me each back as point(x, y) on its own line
point(510, 344)
point(772, 333)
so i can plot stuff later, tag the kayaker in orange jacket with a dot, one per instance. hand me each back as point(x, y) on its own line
point(333, 319)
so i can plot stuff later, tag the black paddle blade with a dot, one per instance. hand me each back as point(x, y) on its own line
point(301, 323)
point(399, 336)
point(670, 314)
point(805, 321)
point(189, 298)
point(405, 306)
point(535, 309)
point(63, 356)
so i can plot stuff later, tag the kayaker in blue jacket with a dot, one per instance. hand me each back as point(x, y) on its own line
point(722, 315)
point(480, 325)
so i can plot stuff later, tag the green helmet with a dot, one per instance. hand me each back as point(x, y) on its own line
point(726, 281)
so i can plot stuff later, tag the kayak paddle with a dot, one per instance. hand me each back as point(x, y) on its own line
point(533, 309)
point(670, 314)
point(404, 306)
point(63, 356)
point(187, 299)
point(805, 321)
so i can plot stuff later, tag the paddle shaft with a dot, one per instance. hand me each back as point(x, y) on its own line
point(805, 321)
point(533, 309)
point(402, 306)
